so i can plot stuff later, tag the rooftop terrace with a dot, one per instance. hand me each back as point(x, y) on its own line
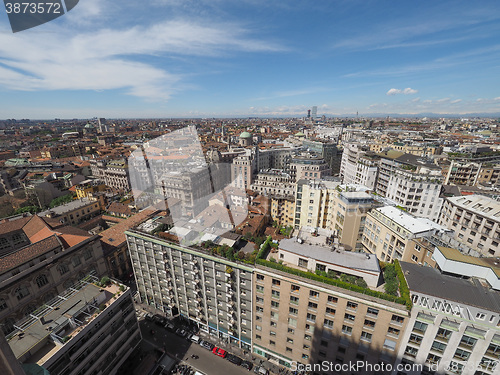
point(45, 331)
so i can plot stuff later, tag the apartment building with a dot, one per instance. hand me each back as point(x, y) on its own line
point(308, 166)
point(211, 291)
point(273, 158)
point(283, 210)
point(38, 261)
point(273, 182)
point(349, 209)
point(74, 212)
point(87, 329)
point(475, 220)
point(454, 325)
point(302, 321)
point(327, 150)
point(359, 166)
point(114, 173)
point(242, 169)
point(312, 203)
point(329, 205)
point(391, 233)
point(417, 189)
point(471, 173)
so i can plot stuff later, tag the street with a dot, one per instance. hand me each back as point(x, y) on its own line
point(181, 348)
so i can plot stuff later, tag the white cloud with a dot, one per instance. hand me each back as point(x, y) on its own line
point(114, 59)
point(406, 91)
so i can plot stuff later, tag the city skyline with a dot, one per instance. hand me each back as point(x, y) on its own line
point(205, 59)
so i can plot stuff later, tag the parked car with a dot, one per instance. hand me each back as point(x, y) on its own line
point(150, 317)
point(233, 359)
point(160, 320)
point(247, 364)
point(194, 338)
point(170, 327)
point(219, 351)
point(259, 370)
point(207, 345)
point(181, 332)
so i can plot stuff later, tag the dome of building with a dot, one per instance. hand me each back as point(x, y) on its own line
point(245, 135)
point(300, 134)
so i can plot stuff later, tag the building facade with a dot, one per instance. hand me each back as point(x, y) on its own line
point(87, 329)
point(475, 220)
point(212, 292)
point(40, 263)
point(454, 326)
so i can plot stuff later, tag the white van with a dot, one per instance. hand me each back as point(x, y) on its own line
point(195, 339)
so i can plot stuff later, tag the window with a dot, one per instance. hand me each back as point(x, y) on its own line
point(295, 288)
point(462, 355)
point(369, 323)
point(273, 324)
point(312, 305)
point(330, 311)
point(332, 299)
point(393, 331)
point(389, 344)
point(420, 327)
point(291, 330)
point(21, 292)
point(275, 304)
point(259, 299)
point(438, 346)
point(272, 333)
point(328, 323)
point(41, 281)
point(259, 309)
point(87, 254)
point(292, 322)
point(311, 317)
point(480, 315)
point(3, 304)
point(352, 305)
point(260, 277)
point(307, 337)
point(294, 300)
point(433, 358)
point(397, 319)
point(467, 342)
point(415, 339)
point(272, 343)
point(275, 294)
point(347, 330)
point(306, 347)
point(63, 268)
point(289, 350)
point(443, 334)
point(349, 317)
point(293, 310)
point(276, 282)
point(289, 340)
point(411, 351)
point(366, 336)
point(324, 343)
point(303, 262)
point(76, 261)
point(258, 337)
point(372, 311)
point(313, 294)
point(274, 314)
point(259, 288)
point(258, 328)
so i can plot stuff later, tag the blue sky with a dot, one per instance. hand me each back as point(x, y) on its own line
point(209, 58)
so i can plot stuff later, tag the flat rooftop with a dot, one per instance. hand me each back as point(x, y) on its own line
point(68, 207)
point(407, 221)
point(430, 281)
point(48, 329)
point(324, 253)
